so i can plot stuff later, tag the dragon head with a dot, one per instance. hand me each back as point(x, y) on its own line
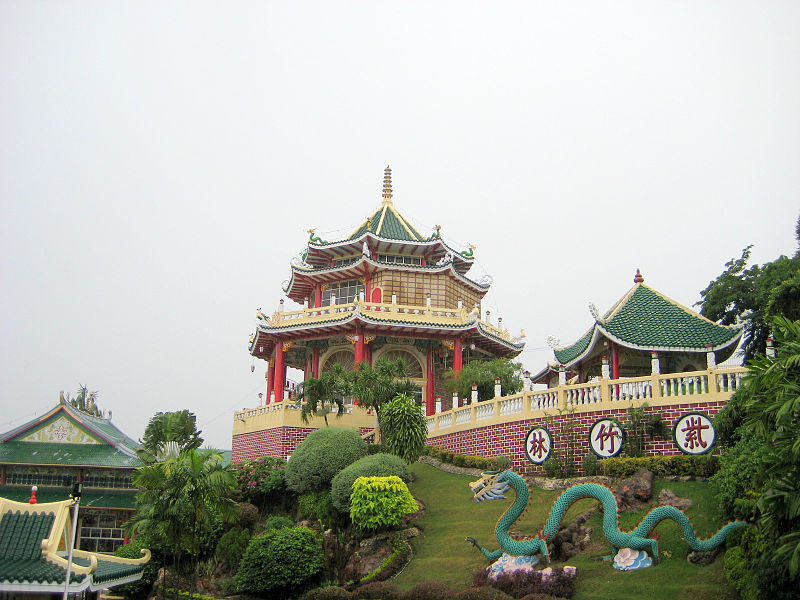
point(491, 486)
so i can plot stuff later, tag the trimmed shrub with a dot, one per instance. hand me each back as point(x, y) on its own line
point(377, 590)
point(329, 592)
point(429, 590)
point(231, 547)
point(248, 515)
point(281, 562)
point(482, 593)
point(141, 588)
point(277, 522)
point(404, 427)
point(375, 465)
point(380, 502)
point(376, 448)
point(317, 506)
point(703, 465)
point(319, 457)
point(740, 477)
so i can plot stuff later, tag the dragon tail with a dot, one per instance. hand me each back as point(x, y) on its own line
point(660, 513)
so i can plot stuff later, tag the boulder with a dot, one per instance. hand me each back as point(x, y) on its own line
point(636, 491)
point(703, 558)
point(668, 498)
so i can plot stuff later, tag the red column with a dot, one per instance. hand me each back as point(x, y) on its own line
point(315, 362)
point(359, 346)
point(458, 356)
point(614, 361)
point(367, 288)
point(270, 378)
point(280, 372)
point(429, 391)
point(317, 295)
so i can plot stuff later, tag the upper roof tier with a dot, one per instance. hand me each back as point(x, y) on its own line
point(385, 231)
point(644, 319)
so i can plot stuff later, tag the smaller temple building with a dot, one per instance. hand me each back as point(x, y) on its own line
point(65, 446)
point(644, 333)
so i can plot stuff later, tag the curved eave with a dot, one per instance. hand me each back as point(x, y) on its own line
point(583, 354)
point(266, 336)
point(303, 280)
point(319, 255)
point(650, 348)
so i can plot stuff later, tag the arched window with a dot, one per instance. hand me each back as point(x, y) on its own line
point(413, 366)
point(346, 358)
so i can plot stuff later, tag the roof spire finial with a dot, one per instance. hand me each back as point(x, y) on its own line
point(387, 185)
point(638, 278)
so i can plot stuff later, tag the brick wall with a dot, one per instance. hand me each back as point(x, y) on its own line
point(279, 442)
point(508, 439)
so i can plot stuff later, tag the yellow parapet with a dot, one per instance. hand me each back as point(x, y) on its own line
point(287, 414)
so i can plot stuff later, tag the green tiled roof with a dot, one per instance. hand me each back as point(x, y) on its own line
point(52, 453)
point(649, 319)
point(645, 319)
point(386, 222)
point(109, 571)
point(568, 354)
point(21, 559)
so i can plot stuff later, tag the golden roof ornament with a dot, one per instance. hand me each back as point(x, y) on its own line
point(387, 185)
point(638, 277)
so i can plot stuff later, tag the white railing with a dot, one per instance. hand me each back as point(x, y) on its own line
point(584, 394)
point(544, 399)
point(729, 381)
point(463, 415)
point(484, 410)
point(510, 405)
point(446, 420)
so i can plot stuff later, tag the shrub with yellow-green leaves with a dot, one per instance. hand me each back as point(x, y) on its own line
point(378, 502)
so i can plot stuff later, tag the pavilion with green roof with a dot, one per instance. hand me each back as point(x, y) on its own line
point(65, 446)
point(644, 332)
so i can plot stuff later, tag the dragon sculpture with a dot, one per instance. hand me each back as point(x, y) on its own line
point(493, 485)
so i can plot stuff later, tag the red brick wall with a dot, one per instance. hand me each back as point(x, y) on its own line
point(508, 439)
point(279, 442)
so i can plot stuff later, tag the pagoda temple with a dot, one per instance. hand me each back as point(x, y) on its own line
point(644, 332)
point(385, 290)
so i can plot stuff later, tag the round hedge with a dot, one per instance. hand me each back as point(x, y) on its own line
point(375, 465)
point(284, 561)
point(319, 457)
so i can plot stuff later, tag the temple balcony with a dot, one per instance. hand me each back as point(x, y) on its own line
point(386, 311)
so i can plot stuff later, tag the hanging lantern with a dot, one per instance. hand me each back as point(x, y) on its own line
point(252, 366)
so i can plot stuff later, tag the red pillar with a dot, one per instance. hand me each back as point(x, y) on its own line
point(317, 295)
point(429, 391)
point(458, 356)
point(270, 378)
point(359, 346)
point(280, 372)
point(315, 363)
point(614, 361)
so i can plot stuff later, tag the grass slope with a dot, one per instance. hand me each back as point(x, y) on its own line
point(441, 554)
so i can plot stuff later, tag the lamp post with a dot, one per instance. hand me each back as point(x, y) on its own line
point(77, 490)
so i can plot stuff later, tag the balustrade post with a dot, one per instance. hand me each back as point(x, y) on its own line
point(438, 407)
point(656, 383)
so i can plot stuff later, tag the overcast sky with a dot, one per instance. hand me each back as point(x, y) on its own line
point(161, 162)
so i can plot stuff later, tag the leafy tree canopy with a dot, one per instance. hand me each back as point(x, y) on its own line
point(168, 434)
point(375, 386)
point(324, 393)
point(753, 296)
point(483, 373)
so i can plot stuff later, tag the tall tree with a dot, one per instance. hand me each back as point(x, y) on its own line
point(180, 502)
point(324, 393)
point(753, 296)
point(404, 427)
point(484, 373)
point(168, 434)
point(375, 386)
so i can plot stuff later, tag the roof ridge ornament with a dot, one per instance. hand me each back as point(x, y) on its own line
point(638, 277)
point(387, 185)
point(594, 310)
point(553, 342)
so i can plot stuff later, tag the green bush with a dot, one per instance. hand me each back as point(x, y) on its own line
point(261, 481)
point(482, 593)
point(404, 427)
point(231, 547)
point(484, 463)
point(277, 522)
point(377, 590)
point(737, 573)
point(590, 464)
point(329, 592)
point(318, 458)
point(281, 562)
point(318, 506)
point(380, 502)
point(374, 465)
point(377, 448)
point(141, 588)
point(740, 477)
point(662, 466)
point(429, 590)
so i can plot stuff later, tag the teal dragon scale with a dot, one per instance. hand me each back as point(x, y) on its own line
point(493, 486)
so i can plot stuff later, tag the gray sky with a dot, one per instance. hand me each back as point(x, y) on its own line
point(160, 164)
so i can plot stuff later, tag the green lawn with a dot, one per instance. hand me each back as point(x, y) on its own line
point(441, 554)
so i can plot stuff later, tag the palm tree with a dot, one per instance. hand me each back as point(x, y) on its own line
point(180, 500)
point(323, 393)
point(168, 434)
point(375, 386)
